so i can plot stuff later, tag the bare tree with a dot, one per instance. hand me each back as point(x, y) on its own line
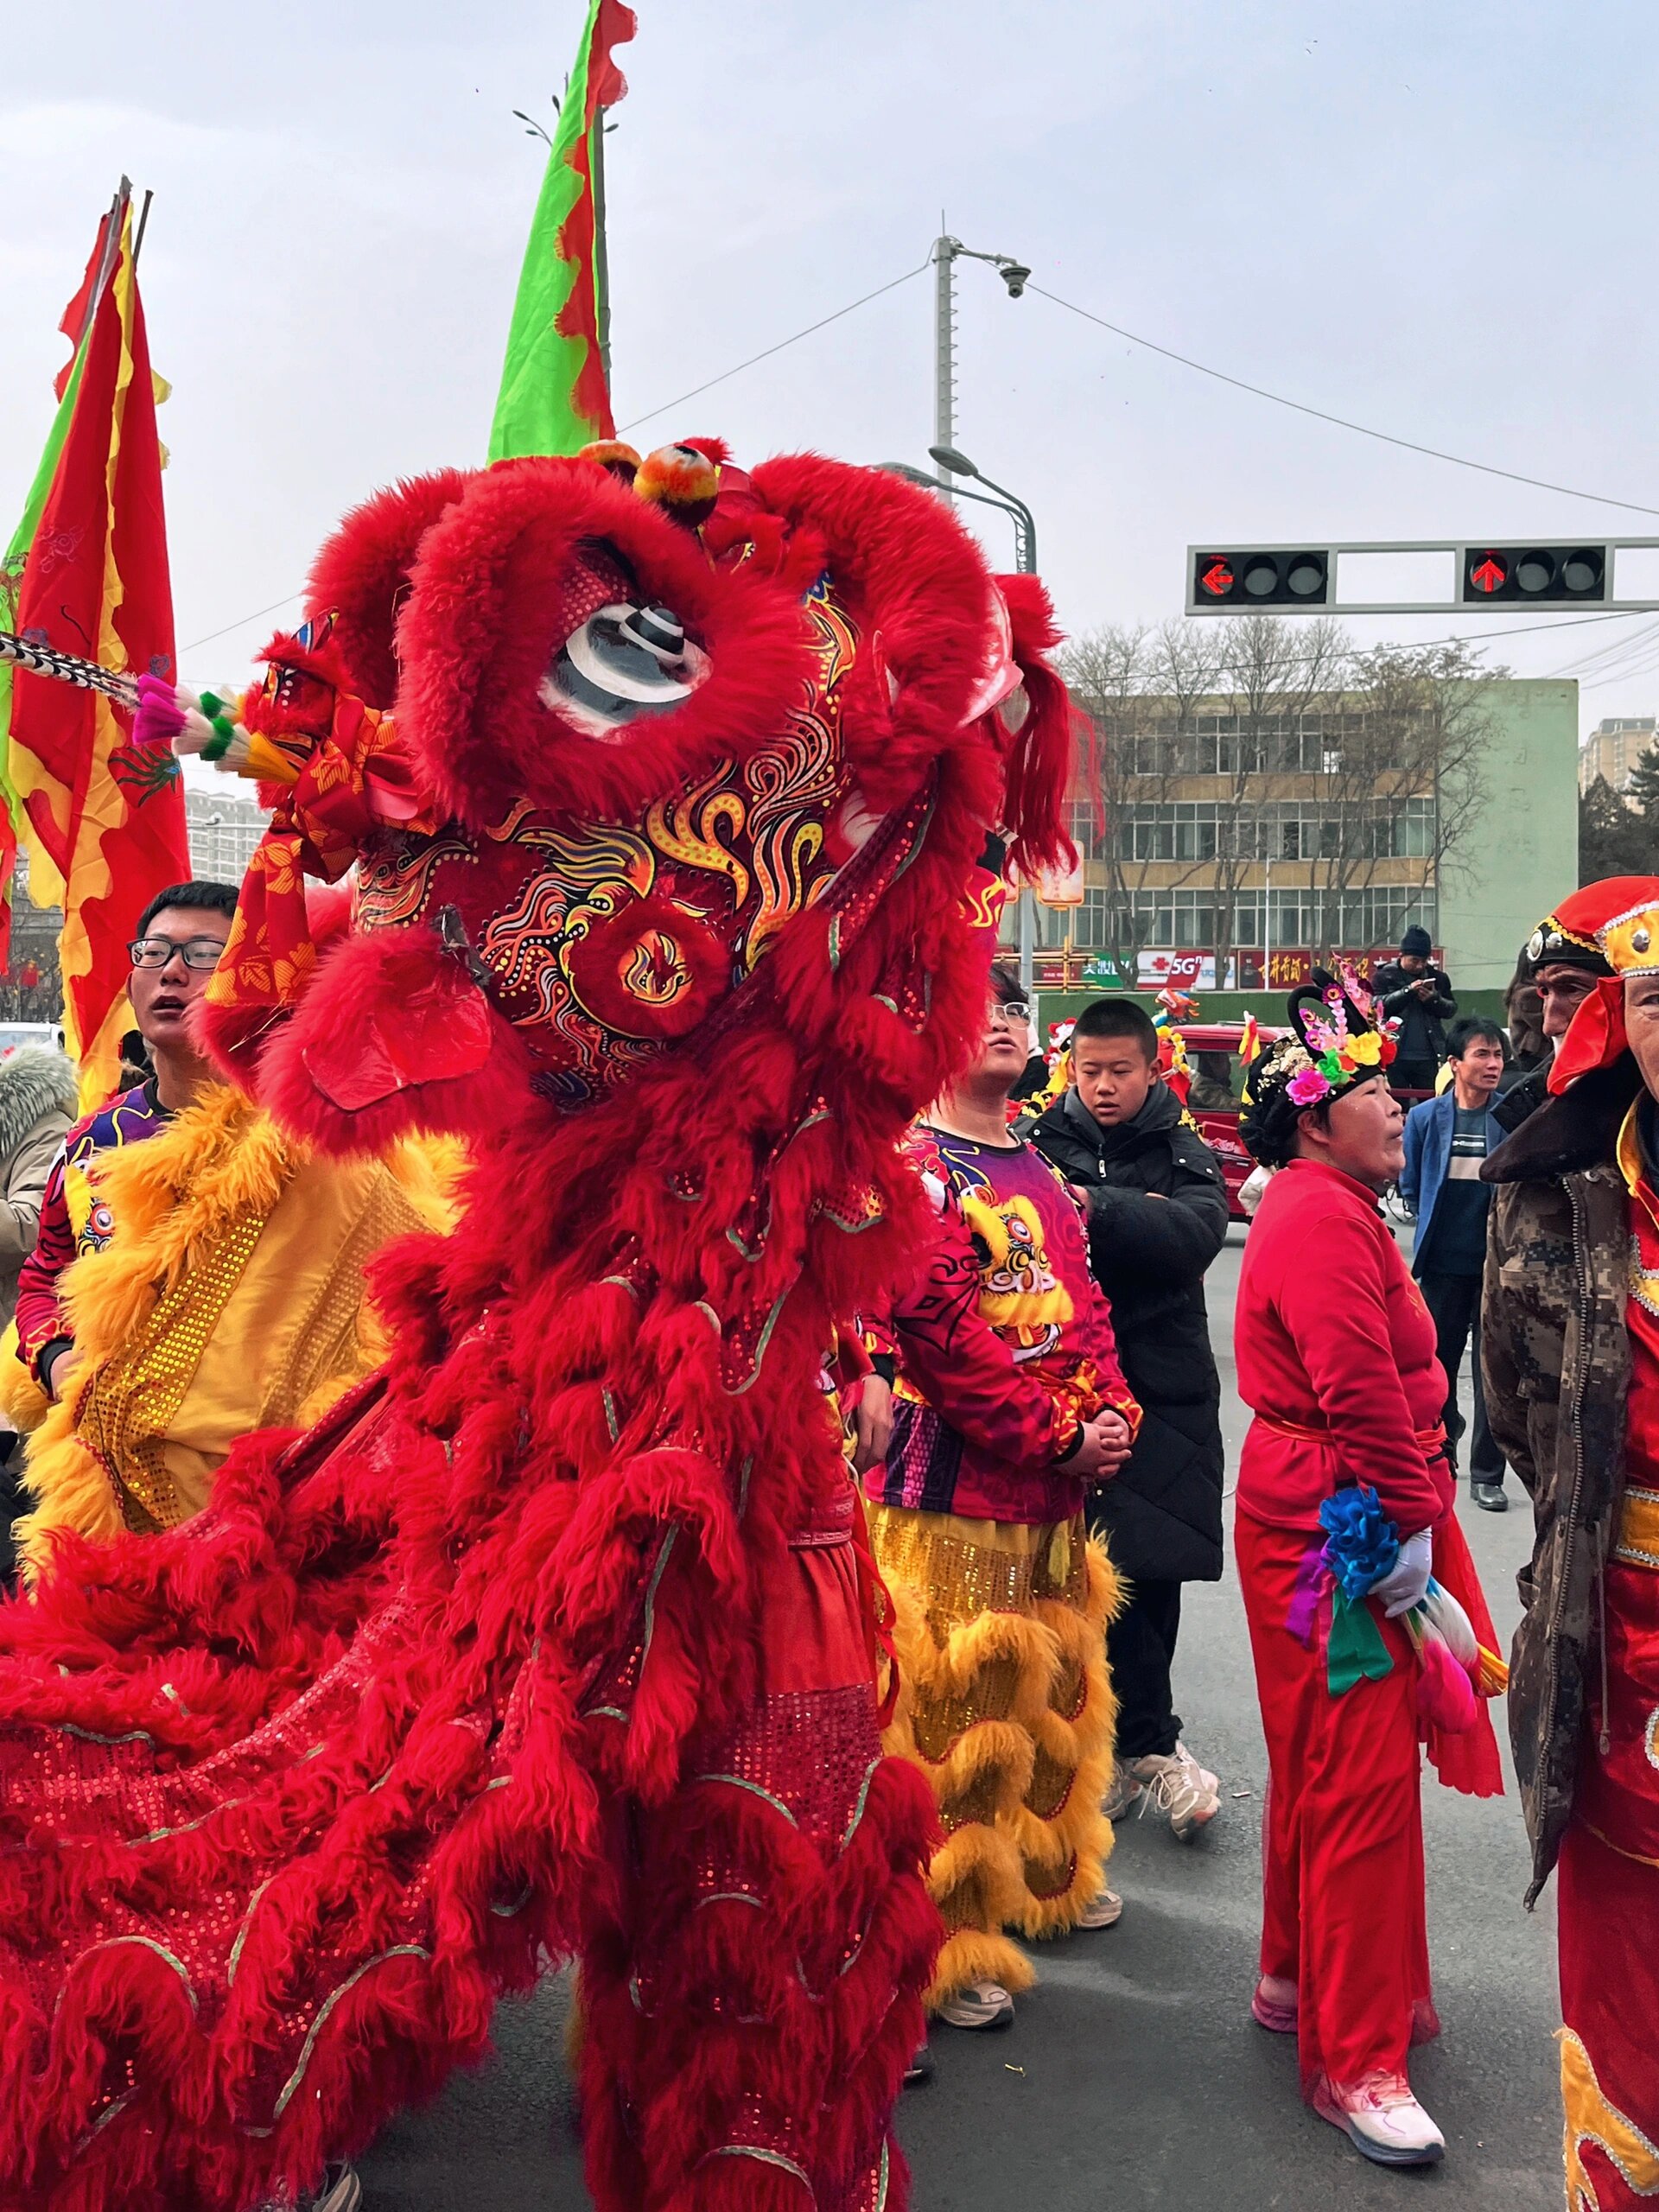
point(1274, 671)
point(1139, 687)
point(1405, 774)
point(1223, 746)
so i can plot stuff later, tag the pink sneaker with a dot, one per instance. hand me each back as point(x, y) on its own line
point(1274, 2005)
point(1383, 2120)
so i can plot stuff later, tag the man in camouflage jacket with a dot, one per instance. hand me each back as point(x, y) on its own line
point(1557, 1366)
point(1571, 1349)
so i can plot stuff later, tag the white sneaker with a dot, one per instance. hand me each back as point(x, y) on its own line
point(1178, 1786)
point(1103, 1911)
point(341, 2191)
point(1122, 1795)
point(981, 2005)
point(1383, 2120)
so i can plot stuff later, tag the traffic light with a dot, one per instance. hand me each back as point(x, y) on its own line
point(1259, 577)
point(1495, 576)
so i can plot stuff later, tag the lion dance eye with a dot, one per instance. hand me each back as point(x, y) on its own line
point(623, 663)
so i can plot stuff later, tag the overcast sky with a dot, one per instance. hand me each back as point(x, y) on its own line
point(1437, 221)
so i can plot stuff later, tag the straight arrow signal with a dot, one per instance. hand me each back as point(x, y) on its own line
point(1490, 575)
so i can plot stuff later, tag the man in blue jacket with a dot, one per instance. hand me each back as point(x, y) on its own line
point(1447, 1139)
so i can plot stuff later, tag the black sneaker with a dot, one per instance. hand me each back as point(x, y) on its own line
point(1491, 1497)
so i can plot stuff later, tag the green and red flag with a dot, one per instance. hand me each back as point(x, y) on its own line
point(103, 822)
point(555, 396)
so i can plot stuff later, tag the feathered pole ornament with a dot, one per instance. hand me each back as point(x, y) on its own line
point(206, 723)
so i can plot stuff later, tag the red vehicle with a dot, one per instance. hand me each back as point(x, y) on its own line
point(1218, 1075)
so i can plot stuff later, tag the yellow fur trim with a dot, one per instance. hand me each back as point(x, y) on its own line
point(176, 1200)
point(428, 1170)
point(974, 1877)
point(1075, 1754)
point(22, 1399)
point(1011, 1717)
point(974, 1955)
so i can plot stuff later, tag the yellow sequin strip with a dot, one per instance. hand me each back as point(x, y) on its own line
point(960, 1578)
point(130, 1404)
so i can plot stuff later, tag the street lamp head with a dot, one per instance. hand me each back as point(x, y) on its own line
point(1015, 276)
point(957, 463)
point(911, 475)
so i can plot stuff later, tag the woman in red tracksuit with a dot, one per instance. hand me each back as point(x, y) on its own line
point(1336, 1361)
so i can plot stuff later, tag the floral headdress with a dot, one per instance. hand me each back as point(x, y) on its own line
point(1345, 1039)
point(1340, 1039)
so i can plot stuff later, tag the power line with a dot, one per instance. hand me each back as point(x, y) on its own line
point(821, 324)
point(1319, 414)
point(1603, 659)
point(1221, 376)
point(242, 625)
point(1514, 630)
point(651, 415)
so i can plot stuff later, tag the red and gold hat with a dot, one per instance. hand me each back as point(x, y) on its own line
point(1618, 920)
point(1570, 936)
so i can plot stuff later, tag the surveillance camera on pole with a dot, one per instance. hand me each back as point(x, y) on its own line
point(947, 252)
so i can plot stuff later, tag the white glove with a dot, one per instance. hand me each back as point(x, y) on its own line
point(1253, 1188)
point(1405, 1583)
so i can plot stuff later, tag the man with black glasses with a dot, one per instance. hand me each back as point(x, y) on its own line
point(198, 1276)
point(180, 936)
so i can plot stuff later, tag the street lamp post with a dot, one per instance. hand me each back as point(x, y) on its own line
point(1025, 559)
point(1024, 523)
point(924, 482)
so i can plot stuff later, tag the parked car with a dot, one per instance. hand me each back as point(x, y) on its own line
point(1217, 1077)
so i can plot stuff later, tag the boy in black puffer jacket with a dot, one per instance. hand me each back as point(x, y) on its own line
point(1157, 1210)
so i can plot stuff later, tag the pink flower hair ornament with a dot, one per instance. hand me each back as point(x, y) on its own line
point(1308, 1088)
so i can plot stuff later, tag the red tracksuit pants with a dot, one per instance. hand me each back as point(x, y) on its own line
point(1343, 1914)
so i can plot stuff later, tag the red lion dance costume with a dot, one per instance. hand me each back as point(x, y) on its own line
point(554, 1638)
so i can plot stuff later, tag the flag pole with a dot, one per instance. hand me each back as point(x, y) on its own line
point(601, 251)
point(138, 237)
point(106, 259)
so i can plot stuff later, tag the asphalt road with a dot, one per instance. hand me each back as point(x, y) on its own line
point(1134, 2075)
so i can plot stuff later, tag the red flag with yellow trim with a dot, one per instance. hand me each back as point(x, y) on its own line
point(103, 820)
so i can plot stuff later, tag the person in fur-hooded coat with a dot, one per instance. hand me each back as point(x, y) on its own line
point(37, 1104)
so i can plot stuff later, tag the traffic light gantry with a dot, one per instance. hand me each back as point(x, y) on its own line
point(1550, 573)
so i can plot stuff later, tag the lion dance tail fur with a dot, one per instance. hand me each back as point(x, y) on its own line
point(1006, 1707)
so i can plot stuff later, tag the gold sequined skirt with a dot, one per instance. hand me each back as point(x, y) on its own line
point(1005, 1705)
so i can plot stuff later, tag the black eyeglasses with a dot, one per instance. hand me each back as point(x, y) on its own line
point(156, 951)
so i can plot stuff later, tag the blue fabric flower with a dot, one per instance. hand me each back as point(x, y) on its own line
point(1361, 1544)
